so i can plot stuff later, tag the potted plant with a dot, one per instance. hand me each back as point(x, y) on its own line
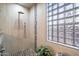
point(44, 51)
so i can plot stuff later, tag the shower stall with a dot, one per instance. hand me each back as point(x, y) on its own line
point(18, 26)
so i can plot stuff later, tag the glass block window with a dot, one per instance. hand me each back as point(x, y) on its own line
point(63, 23)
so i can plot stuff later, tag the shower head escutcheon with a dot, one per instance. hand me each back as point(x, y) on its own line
point(20, 12)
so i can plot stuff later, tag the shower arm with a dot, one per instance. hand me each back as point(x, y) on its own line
point(19, 13)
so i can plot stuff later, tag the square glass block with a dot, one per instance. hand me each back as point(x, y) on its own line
point(61, 9)
point(50, 13)
point(54, 33)
point(55, 6)
point(69, 35)
point(50, 18)
point(77, 35)
point(49, 27)
point(50, 32)
point(77, 42)
point(61, 15)
point(50, 8)
point(55, 11)
point(61, 28)
point(69, 20)
point(50, 38)
point(61, 21)
point(76, 4)
point(69, 28)
point(61, 39)
point(49, 4)
point(69, 41)
point(76, 19)
point(69, 13)
point(61, 34)
point(54, 17)
point(76, 11)
point(76, 27)
point(50, 22)
point(70, 6)
point(61, 4)
point(55, 22)
point(54, 38)
point(54, 28)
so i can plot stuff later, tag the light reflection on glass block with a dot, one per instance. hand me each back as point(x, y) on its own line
point(76, 4)
point(50, 27)
point(70, 6)
point(49, 18)
point(54, 22)
point(50, 23)
point(50, 4)
point(54, 33)
point(54, 28)
point(61, 39)
point(55, 6)
point(69, 28)
point(61, 9)
point(50, 8)
point(61, 15)
point(54, 17)
point(54, 38)
point(69, 13)
point(50, 13)
point(61, 21)
point(55, 11)
point(50, 33)
point(77, 35)
point(76, 19)
point(77, 11)
point(69, 35)
point(69, 20)
point(61, 28)
point(61, 4)
point(69, 41)
point(61, 34)
point(77, 27)
point(77, 42)
point(50, 38)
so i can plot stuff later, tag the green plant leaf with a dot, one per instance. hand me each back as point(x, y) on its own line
point(44, 51)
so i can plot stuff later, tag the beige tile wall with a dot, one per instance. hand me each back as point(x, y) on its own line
point(9, 26)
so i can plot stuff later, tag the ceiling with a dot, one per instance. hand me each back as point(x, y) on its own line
point(26, 5)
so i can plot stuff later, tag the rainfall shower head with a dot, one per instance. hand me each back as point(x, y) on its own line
point(20, 12)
